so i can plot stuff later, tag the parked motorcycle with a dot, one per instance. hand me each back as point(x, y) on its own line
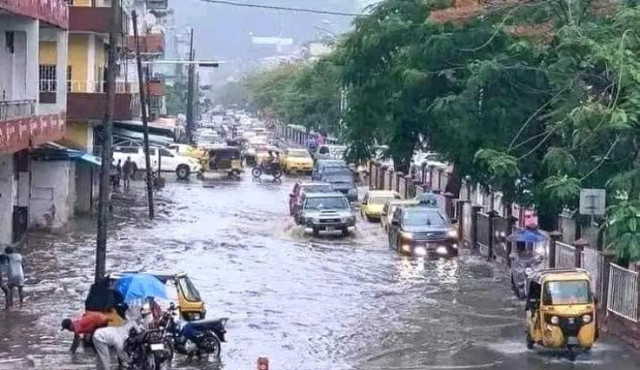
point(148, 350)
point(200, 338)
point(272, 169)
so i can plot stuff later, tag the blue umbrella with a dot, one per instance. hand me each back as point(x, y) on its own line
point(140, 286)
point(527, 236)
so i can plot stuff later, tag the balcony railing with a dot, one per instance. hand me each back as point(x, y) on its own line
point(99, 87)
point(51, 11)
point(17, 109)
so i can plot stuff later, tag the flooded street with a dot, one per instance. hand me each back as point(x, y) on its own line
point(306, 303)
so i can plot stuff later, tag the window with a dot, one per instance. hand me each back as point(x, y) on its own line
point(165, 153)
point(47, 77)
point(9, 41)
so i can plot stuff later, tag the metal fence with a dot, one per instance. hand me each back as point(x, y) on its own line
point(16, 109)
point(623, 294)
point(594, 262)
point(483, 232)
point(565, 255)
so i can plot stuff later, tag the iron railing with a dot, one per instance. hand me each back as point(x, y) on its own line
point(594, 262)
point(16, 109)
point(623, 292)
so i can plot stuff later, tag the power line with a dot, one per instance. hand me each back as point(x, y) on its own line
point(286, 8)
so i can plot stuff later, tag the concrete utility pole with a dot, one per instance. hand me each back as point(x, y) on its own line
point(145, 108)
point(104, 192)
point(190, 93)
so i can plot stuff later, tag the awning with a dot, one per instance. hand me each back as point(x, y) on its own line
point(57, 152)
point(139, 137)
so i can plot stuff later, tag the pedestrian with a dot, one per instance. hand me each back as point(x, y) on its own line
point(118, 173)
point(15, 274)
point(112, 338)
point(127, 170)
point(84, 326)
point(4, 265)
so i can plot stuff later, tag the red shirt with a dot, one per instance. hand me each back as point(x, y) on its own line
point(89, 322)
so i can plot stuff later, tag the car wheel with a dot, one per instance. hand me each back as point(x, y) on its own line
point(345, 232)
point(256, 172)
point(316, 231)
point(183, 171)
point(277, 174)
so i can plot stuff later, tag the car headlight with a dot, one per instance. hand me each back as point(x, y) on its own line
point(442, 250)
point(586, 319)
point(353, 191)
point(420, 251)
point(555, 320)
point(452, 233)
point(406, 235)
point(528, 271)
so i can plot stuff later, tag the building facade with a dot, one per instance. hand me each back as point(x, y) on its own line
point(29, 30)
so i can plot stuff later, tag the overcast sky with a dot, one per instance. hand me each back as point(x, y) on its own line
point(224, 31)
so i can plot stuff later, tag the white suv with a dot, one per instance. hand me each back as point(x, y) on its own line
point(182, 165)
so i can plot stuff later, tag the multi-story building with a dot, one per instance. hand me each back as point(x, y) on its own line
point(30, 31)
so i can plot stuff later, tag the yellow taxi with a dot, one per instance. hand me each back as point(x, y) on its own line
point(297, 160)
point(374, 201)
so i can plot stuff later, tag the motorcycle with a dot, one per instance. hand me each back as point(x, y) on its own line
point(274, 169)
point(523, 267)
point(200, 338)
point(148, 350)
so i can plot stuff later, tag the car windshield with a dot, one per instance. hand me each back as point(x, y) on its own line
point(299, 154)
point(327, 203)
point(567, 292)
point(428, 217)
point(188, 289)
point(382, 199)
point(320, 188)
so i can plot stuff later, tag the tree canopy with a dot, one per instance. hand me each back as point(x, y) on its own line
point(536, 98)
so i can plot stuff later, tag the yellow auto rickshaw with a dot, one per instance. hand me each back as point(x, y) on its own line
point(226, 160)
point(181, 290)
point(561, 310)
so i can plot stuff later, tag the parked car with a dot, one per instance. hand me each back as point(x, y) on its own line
point(301, 188)
point(330, 152)
point(297, 160)
point(430, 159)
point(374, 201)
point(341, 178)
point(423, 231)
point(389, 208)
point(326, 212)
point(183, 166)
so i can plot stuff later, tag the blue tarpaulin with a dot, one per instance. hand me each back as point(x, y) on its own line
point(527, 236)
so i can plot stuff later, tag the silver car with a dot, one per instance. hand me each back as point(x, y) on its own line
point(326, 212)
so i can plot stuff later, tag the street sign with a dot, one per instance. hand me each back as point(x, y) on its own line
point(592, 202)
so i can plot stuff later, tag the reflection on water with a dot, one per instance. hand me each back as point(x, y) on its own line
point(307, 303)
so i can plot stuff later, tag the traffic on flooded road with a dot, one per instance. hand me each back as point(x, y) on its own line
point(304, 301)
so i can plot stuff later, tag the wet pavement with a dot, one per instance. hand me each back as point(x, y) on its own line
point(306, 303)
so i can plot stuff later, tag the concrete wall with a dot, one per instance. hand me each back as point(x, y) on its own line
point(19, 77)
point(52, 193)
point(6, 198)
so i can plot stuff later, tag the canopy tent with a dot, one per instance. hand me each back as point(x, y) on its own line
point(57, 152)
point(153, 128)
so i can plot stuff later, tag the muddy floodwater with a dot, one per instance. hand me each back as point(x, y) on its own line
point(307, 303)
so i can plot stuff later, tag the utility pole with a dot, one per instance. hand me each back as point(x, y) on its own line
point(190, 92)
point(145, 108)
point(104, 192)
